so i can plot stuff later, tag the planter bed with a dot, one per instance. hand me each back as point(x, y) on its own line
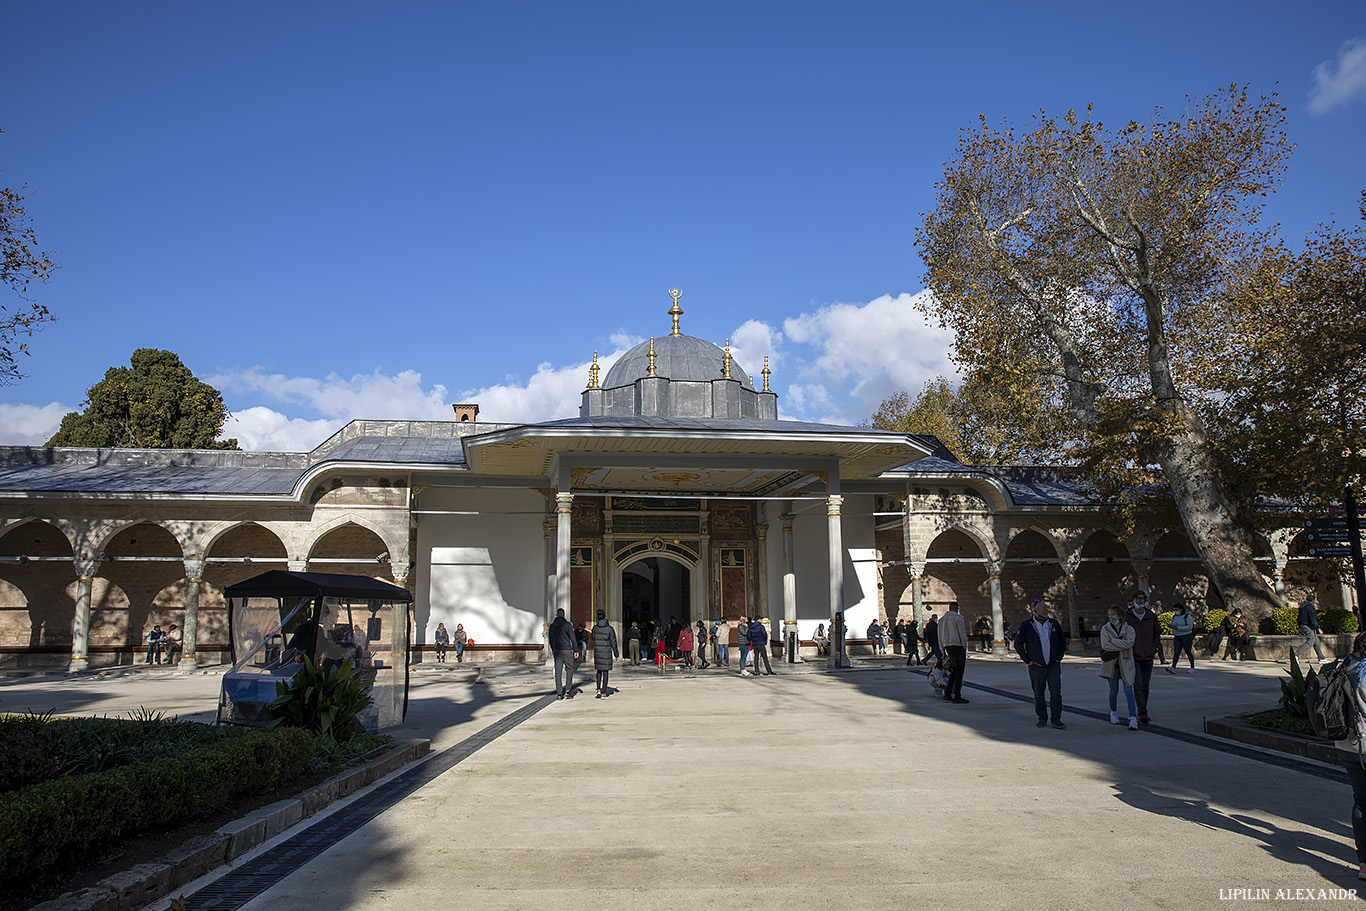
point(1238, 728)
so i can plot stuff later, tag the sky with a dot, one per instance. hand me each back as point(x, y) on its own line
point(336, 210)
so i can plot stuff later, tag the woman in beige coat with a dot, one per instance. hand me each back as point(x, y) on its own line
point(1117, 663)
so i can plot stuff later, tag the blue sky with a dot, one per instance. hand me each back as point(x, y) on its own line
point(340, 210)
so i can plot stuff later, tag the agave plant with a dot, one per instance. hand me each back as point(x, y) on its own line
point(322, 702)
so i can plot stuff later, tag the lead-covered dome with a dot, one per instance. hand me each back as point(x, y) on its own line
point(677, 357)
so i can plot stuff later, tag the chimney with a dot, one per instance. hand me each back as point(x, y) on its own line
point(466, 412)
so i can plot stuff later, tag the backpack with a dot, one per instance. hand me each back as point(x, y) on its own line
point(1331, 700)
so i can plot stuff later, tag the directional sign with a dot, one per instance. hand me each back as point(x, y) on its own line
point(1327, 523)
point(1330, 550)
point(1324, 537)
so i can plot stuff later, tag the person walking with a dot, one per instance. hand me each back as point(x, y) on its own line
point(460, 639)
point(953, 639)
point(440, 640)
point(1147, 642)
point(701, 639)
point(633, 644)
point(742, 634)
point(1309, 629)
point(1350, 750)
point(605, 651)
point(685, 644)
point(932, 638)
point(758, 644)
point(1041, 644)
point(563, 645)
point(720, 634)
point(912, 635)
point(1117, 663)
point(1183, 636)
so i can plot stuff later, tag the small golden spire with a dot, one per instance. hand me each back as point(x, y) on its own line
point(593, 372)
point(725, 361)
point(767, 373)
point(652, 358)
point(675, 311)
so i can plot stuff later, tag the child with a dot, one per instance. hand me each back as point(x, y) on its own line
point(939, 677)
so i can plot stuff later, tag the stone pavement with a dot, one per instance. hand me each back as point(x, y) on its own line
point(852, 789)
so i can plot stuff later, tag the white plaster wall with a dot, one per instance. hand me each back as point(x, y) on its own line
point(486, 571)
point(811, 543)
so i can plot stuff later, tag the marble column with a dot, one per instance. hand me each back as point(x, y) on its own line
point(789, 574)
point(563, 506)
point(86, 570)
point(999, 646)
point(194, 573)
point(917, 593)
point(400, 573)
point(549, 566)
point(839, 657)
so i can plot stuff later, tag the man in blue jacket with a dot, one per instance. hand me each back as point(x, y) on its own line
point(1040, 643)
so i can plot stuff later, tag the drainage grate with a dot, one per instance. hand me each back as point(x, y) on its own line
point(234, 889)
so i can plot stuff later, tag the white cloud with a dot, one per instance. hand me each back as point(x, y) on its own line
point(751, 343)
point(30, 425)
point(864, 353)
point(1337, 83)
point(260, 429)
point(374, 395)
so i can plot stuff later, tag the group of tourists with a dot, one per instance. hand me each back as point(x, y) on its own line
point(443, 639)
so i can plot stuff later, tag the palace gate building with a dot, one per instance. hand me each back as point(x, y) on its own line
point(677, 491)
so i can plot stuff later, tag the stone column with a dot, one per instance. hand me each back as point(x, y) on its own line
point(840, 657)
point(789, 572)
point(917, 571)
point(86, 570)
point(400, 573)
point(711, 588)
point(999, 645)
point(1069, 567)
point(194, 572)
point(563, 506)
point(549, 586)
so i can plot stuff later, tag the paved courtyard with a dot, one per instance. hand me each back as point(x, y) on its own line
point(855, 789)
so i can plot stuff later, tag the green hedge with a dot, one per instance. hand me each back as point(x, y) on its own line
point(1285, 621)
point(1213, 620)
point(67, 819)
point(1338, 621)
point(1164, 622)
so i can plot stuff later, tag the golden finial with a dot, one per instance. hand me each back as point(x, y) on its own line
point(675, 311)
point(725, 361)
point(766, 372)
point(652, 358)
point(593, 372)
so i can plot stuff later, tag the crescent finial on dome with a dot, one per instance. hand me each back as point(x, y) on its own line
point(593, 372)
point(675, 311)
point(725, 361)
point(767, 373)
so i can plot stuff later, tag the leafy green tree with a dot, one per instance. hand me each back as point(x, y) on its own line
point(979, 422)
point(155, 403)
point(1089, 259)
point(21, 262)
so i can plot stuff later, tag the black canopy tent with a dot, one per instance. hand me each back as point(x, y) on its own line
point(278, 617)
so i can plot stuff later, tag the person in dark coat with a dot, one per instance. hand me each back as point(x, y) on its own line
point(1308, 620)
point(758, 644)
point(912, 636)
point(932, 638)
point(604, 651)
point(563, 646)
point(1041, 644)
point(1147, 642)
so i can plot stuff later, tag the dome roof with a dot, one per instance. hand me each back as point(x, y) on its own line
point(677, 357)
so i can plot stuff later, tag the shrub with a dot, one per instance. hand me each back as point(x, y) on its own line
point(322, 702)
point(1213, 620)
point(1285, 621)
point(1281, 720)
point(1294, 689)
point(1338, 621)
point(1164, 622)
point(66, 819)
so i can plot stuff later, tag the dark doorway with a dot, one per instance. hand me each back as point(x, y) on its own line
point(655, 589)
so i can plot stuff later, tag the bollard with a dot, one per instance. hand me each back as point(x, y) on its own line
point(791, 647)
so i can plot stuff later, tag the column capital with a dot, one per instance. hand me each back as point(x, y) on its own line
point(994, 569)
point(194, 570)
point(400, 573)
point(564, 502)
point(916, 568)
point(833, 503)
point(86, 567)
point(787, 520)
point(298, 566)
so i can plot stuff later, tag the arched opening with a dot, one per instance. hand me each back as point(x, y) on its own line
point(35, 572)
point(145, 570)
point(1104, 576)
point(239, 553)
point(350, 548)
point(655, 589)
point(955, 570)
point(1032, 571)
